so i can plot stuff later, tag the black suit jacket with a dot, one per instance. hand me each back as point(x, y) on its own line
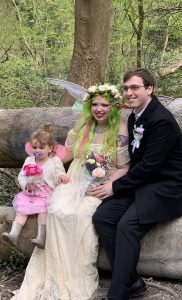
point(155, 174)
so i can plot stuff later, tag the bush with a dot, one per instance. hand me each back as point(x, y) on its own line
point(22, 85)
point(16, 262)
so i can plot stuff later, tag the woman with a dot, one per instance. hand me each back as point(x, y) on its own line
point(66, 269)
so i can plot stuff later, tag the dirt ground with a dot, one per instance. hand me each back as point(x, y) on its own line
point(158, 289)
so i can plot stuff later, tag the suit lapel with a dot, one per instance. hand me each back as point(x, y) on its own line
point(131, 121)
point(147, 112)
point(142, 120)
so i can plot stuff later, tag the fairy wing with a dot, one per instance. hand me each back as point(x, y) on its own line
point(75, 90)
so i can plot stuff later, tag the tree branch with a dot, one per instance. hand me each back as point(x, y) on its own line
point(20, 24)
point(5, 55)
point(133, 24)
point(8, 174)
point(171, 69)
point(164, 11)
point(161, 287)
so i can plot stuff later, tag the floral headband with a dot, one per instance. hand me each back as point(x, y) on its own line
point(81, 94)
point(104, 89)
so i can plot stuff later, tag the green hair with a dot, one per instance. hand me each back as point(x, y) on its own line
point(87, 126)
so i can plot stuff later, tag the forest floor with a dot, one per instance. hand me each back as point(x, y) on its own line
point(158, 289)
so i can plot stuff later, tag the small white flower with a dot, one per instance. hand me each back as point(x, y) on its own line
point(113, 90)
point(116, 96)
point(85, 98)
point(107, 86)
point(92, 89)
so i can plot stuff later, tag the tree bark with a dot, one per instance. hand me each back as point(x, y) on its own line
point(163, 51)
point(139, 33)
point(91, 42)
point(18, 124)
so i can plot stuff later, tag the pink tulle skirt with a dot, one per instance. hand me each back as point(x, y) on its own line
point(26, 203)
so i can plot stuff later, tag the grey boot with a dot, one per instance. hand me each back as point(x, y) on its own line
point(13, 235)
point(40, 239)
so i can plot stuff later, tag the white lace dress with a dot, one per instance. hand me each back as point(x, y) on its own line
point(66, 268)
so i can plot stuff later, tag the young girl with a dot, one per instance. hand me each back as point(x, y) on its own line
point(41, 173)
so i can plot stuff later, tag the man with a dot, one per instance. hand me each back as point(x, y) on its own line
point(149, 193)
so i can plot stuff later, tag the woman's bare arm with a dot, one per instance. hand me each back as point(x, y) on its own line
point(119, 172)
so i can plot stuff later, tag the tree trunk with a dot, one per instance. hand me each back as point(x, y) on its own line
point(18, 124)
point(92, 28)
point(139, 33)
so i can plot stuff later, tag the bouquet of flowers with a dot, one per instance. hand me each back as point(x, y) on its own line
point(95, 169)
point(33, 173)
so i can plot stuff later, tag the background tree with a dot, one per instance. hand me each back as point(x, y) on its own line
point(91, 42)
point(37, 40)
point(147, 33)
point(39, 36)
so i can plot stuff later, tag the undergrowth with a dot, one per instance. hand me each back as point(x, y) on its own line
point(8, 187)
point(16, 262)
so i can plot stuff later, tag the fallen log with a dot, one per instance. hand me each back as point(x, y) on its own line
point(16, 126)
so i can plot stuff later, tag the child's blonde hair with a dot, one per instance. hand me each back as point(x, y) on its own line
point(44, 135)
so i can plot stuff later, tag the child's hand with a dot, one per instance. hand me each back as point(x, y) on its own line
point(30, 187)
point(63, 179)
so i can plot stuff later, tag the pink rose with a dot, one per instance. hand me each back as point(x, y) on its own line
point(139, 130)
point(100, 159)
point(99, 173)
point(32, 169)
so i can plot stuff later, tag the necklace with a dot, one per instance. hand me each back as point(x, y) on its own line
point(100, 130)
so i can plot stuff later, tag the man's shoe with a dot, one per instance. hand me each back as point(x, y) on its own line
point(138, 288)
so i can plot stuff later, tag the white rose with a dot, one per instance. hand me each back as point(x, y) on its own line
point(102, 88)
point(98, 172)
point(107, 86)
point(92, 89)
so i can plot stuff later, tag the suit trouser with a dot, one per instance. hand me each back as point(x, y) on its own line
point(117, 223)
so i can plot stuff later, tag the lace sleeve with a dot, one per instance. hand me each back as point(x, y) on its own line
point(70, 140)
point(122, 151)
point(59, 168)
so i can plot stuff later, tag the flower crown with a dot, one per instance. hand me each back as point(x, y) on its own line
point(104, 89)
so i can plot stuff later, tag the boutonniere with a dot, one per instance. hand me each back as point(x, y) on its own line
point(138, 135)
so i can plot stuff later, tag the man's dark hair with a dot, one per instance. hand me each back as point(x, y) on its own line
point(146, 75)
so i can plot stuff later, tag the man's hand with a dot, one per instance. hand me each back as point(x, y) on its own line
point(102, 191)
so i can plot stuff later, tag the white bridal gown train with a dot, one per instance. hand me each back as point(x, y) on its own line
point(66, 268)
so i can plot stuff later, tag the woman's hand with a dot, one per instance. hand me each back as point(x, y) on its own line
point(103, 191)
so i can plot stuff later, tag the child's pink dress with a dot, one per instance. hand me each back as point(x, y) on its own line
point(29, 203)
point(26, 203)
